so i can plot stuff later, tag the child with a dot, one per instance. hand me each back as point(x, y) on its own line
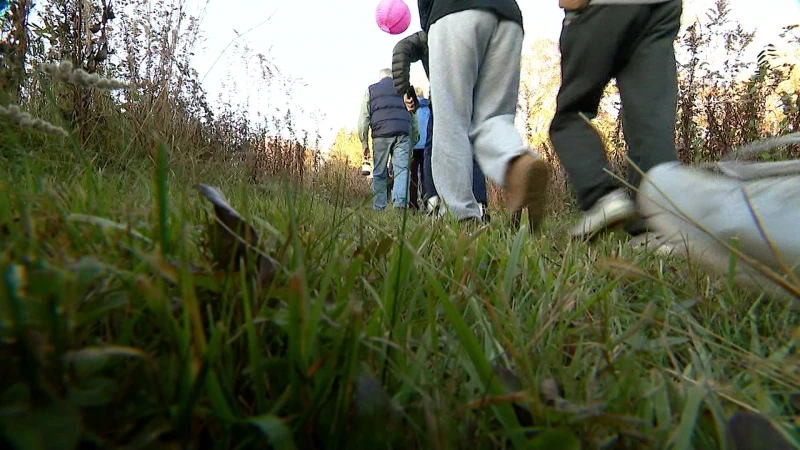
point(632, 41)
point(423, 111)
point(475, 49)
point(407, 51)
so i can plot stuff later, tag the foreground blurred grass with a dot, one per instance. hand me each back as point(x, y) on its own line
point(117, 330)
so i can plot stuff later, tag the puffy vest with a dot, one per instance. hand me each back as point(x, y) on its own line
point(388, 114)
point(423, 114)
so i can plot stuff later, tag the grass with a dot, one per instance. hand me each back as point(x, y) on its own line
point(125, 322)
point(120, 328)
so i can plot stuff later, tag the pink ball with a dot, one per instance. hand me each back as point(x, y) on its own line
point(393, 16)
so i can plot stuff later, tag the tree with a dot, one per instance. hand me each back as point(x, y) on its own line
point(538, 87)
point(347, 148)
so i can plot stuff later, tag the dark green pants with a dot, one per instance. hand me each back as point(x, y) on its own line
point(634, 44)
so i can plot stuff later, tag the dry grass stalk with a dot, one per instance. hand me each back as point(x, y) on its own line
point(65, 72)
point(24, 120)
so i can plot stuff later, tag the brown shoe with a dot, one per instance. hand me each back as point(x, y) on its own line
point(526, 188)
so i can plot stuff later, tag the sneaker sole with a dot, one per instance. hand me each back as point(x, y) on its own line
point(613, 224)
point(536, 180)
point(611, 221)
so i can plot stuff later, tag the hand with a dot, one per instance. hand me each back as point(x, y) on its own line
point(366, 152)
point(409, 103)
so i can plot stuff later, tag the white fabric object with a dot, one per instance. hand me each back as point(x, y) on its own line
point(672, 194)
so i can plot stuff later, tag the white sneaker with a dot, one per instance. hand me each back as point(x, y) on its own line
point(612, 209)
point(433, 205)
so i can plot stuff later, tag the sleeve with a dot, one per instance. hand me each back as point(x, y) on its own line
point(407, 51)
point(424, 11)
point(363, 121)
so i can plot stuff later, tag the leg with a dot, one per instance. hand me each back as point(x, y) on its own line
point(413, 190)
point(479, 189)
point(589, 48)
point(420, 155)
point(389, 177)
point(380, 172)
point(430, 189)
point(649, 90)
point(456, 46)
point(479, 184)
point(401, 158)
point(493, 134)
point(499, 148)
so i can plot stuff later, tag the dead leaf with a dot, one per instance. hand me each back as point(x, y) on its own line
point(4, 227)
point(750, 431)
point(375, 250)
point(515, 397)
point(371, 399)
point(512, 384)
point(551, 393)
point(623, 269)
point(507, 378)
point(233, 230)
point(231, 237)
point(794, 400)
point(105, 351)
point(376, 420)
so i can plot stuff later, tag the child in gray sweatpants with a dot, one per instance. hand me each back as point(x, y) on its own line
point(475, 49)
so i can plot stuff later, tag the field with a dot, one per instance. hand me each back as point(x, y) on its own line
point(122, 327)
point(136, 315)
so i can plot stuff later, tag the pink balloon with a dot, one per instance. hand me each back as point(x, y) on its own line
point(393, 16)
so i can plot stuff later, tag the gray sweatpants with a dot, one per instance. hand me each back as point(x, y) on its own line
point(474, 74)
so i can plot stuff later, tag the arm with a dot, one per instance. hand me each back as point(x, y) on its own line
point(363, 124)
point(407, 51)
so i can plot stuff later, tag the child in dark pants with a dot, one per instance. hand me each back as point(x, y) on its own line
point(632, 41)
point(416, 188)
point(423, 110)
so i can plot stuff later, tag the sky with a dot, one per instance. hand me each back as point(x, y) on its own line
point(336, 49)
